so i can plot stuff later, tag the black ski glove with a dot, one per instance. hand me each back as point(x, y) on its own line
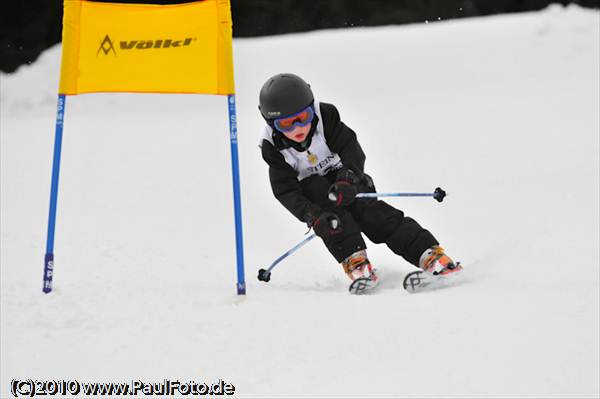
point(348, 175)
point(327, 225)
point(342, 193)
point(324, 223)
point(344, 190)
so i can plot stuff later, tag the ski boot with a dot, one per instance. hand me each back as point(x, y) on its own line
point(360, 271)
point(436, 262)
point(438, 271)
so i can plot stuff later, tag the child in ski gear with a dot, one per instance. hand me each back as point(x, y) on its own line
point(316, 168)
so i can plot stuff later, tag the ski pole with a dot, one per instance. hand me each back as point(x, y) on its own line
point(438, 195)
point(265, 274)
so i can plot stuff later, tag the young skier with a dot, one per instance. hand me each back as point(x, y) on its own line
point(316, 168)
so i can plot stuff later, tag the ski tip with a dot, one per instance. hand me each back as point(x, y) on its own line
point(420, 280)
point(413, 280)
point(362, 285)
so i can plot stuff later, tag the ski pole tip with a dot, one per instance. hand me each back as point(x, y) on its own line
point(439, 194)
point(264, 275)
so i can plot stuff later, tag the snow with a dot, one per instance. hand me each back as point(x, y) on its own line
point(501, 111)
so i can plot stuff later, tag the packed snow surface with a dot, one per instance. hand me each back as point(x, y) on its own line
point(502, 112)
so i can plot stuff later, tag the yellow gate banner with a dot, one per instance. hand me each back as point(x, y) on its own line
point(147, 48)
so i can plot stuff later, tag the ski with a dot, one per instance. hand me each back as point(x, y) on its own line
point(420, 280)
point(362, 285)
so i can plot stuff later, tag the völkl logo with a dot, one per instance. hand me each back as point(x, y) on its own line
point(107, 45)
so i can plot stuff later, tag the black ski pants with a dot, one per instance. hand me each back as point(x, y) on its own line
point(379, 221)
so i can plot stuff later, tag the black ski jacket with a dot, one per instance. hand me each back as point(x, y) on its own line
point(284, 179)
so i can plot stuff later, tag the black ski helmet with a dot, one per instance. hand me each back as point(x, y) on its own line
point(284, 94)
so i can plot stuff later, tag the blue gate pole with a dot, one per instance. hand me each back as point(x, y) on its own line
point(49, 258)
point(237, 202)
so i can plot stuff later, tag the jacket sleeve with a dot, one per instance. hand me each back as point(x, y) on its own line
point(341, 139)
point(285, 184)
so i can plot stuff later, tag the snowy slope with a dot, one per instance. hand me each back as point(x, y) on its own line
point(502, 112)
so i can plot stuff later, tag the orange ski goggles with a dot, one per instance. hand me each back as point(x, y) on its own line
point(288, 123)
